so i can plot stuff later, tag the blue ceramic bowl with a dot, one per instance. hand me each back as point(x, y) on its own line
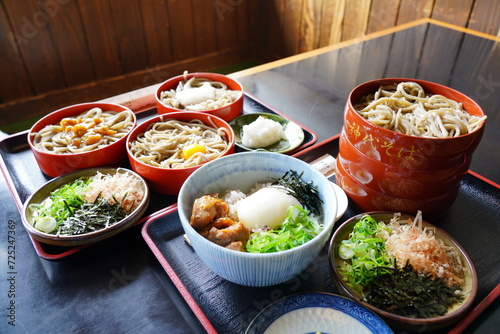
point(242, 171)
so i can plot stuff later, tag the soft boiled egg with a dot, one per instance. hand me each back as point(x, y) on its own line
point(266, 207)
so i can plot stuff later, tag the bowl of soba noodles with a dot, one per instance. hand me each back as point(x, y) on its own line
point(81, 136)
point(211, 93)
point(167, 148)
point(422, 131)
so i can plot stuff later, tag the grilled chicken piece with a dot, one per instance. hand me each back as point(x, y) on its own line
point(206, 209)
point(237, 246)
point(226, 231)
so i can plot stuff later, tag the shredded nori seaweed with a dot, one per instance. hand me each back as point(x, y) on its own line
point(408, 293)
point(304, 192)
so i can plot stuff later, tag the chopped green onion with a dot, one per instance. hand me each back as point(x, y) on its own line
point(297, 229)
point(363, 252)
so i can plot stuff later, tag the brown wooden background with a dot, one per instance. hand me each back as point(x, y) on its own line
point(60, 52)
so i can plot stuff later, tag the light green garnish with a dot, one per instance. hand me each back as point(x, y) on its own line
point(60, 204)
point(297, 229)
point(363, 252)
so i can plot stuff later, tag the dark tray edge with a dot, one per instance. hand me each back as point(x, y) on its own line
point(200, 315)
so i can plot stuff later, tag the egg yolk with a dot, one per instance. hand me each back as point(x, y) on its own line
point(189, 150)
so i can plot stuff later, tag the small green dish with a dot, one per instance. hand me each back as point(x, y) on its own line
point(294, 133)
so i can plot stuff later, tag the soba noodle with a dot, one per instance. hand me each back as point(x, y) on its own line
point(199, 94)
point(91, 129)
point(163, 143)
point(407, 109)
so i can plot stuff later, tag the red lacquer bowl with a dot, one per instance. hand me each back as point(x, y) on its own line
point(380, 169)
point(227, 112)
point(169, 181)
point(54, 165)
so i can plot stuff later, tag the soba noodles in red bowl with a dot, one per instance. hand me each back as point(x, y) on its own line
point(211, 93)
point(81, 136)
point(166, 149)
point(416, 126)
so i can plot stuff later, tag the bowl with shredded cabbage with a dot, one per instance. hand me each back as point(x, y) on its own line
point(86, 206)
point(212, 93)
point(410, 272)
point(278, 233)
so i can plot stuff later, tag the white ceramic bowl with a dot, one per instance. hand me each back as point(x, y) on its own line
point(241, 171)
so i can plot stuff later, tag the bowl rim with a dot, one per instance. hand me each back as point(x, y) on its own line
point(246, 255)
point(178, 78)
point(138, 130)
point(31, 133)
point(466, 304)
point(86, 172)
point(424, 84)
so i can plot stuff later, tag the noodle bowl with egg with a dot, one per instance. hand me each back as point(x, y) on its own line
point(173, 144)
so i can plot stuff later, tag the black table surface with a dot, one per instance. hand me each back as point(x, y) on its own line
point(118, 285)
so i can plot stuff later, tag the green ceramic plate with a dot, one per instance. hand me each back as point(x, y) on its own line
point(294, 133)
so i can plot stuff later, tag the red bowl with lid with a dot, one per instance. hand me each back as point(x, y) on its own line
point(226, 112)
point(56, 164)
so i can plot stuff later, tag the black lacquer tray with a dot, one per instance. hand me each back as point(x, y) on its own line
point(225, 307)
point(23, 176)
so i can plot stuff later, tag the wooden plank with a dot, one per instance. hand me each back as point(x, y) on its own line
point(276, 28)
point(101, 38)
point(30, 25)
point(226, 22)
point(157, 32)
point(414, 10)
point(464, 30)
point(452, 11)
point(247, 14)
point(485, 17)
point(180, 15)
point(337, 10)
point(305, 55)
point(15, 83)
point(383, 15)
point(130, 33)
point(205, 30)
point(40, 105)
point(310, 25)
point(70, 42)
point(291, 28)
point(355, 19)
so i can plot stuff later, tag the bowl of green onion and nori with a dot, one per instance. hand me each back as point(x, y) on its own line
point(85, 206)
point(413, 274)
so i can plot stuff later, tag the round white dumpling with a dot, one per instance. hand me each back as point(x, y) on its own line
point(267, 206)
point(261, 133)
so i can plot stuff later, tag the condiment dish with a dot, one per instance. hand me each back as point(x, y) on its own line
point(293, 132)
point(456, 312)
point(44, 192)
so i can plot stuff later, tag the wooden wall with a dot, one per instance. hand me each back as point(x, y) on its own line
point(296, 26)
point(61, 52)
